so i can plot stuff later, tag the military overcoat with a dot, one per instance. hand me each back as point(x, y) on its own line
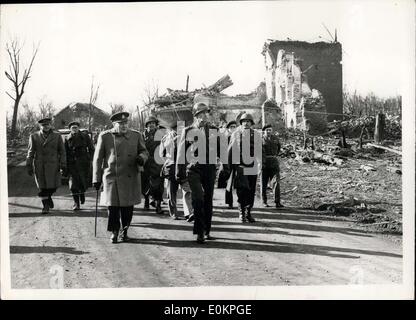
point(46, 153)
point(115, 164)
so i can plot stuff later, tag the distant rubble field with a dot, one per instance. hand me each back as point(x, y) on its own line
point(364, 186)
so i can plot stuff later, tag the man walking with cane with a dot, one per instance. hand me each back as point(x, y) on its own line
point(118, 154)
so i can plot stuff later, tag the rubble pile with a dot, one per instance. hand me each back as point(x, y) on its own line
point(182, 96)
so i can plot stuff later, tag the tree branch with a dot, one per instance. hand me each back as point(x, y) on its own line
point(14, 99)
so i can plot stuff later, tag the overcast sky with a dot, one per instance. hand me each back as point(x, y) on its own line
point(126, 46)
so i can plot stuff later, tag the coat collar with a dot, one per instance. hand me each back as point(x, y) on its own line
point(48, 138)
point(125, 135)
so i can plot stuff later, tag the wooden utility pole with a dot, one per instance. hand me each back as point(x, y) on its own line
point(187, 83)
point(379, 129)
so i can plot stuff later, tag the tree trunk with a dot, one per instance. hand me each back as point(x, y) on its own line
point(379, 129)
point(361, 138)
point(14, 119)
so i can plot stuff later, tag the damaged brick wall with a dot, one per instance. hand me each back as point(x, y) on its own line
point(320, 61)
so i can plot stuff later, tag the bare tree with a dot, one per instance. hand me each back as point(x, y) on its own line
point(117, 107)
point(93, 99)
point(46, 108)
point(17, 79)
point(150, 92)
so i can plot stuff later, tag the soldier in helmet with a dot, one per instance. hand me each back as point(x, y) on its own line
point(118, 154)
point(197, 169)
point(270, 172)
point(152, 182)
point(46, 159)
point(79, 152)
point(246, 163)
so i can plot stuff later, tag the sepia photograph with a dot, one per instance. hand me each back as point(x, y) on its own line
point(208, 150)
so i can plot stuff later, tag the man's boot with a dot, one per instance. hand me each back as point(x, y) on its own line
point(51, 205)
point(279, 205)
point(124, 236)
point(76, 202)
point(82, 197)
point(114, 237)
point(159, 207)
point(45, 209)
point(242, 213)
point(249, 217)
point(146, 203)
point(200, 238)
point(265, 205)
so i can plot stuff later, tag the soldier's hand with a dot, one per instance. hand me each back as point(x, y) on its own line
point(140, 161)
point(97, 185)
point(64, 171)
point(30, 171)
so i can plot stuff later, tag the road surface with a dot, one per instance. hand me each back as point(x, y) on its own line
point(290, 246)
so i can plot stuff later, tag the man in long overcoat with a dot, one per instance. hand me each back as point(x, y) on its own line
point(79, 153)
point(118, 154)
point(47, 160)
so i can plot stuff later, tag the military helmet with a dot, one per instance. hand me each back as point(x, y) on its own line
point(247, 116)
point(199, 107)
point(151, 119)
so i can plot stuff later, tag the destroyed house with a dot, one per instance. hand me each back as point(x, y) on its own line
point(80, 112)
point(177, 104)
point(299, 74)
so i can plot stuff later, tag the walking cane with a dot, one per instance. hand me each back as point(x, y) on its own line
point(96, 213)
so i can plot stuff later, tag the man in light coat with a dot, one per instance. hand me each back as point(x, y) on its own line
point(118, 154)
point(46, 159)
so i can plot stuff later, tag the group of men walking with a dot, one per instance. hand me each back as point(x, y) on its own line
point(127, 164)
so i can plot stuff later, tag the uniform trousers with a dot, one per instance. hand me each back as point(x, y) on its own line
point(246, 191)
point(173, 187)
point(114, 214)
point(201, 181)
point(270, 174)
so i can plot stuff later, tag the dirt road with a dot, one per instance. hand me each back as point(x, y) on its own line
point(289, 246)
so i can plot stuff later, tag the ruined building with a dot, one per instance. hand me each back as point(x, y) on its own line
point(177, 104)
point(304, 81)
point(80, 112)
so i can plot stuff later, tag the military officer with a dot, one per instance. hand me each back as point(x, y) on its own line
point(245, 166)
point(46, 159)
point(152, 182)
point(198, 170)
point(79, 153)
point(117, 157)
point(271, 171)
point(168, 150)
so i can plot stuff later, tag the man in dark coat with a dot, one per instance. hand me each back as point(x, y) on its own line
point(271, 171)
point(79, 153)
point(152, 182)
point(193, 164)
point(117, 157)
point(46, 159)
point(246, 163)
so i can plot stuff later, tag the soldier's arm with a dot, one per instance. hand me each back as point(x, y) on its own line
point(232, 148)
point(90, 147)
point(142, 153)
point(30, 151)
point(97, 162)
point(62, 153)
point(181, 158)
